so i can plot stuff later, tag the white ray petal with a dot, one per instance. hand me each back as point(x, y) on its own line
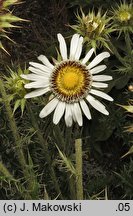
point(97, 105)
point(72, 111)
point(37, 84)
point(63, 47)
point(33, 77)
point(68, 116)
point(88, 56)
point(59, 111)
point(98, 59)
point(99, 85)
point(49, 108)
point(41, 67)
point(85, 109)
point(79, 49)
point(98, 69)
point(78, 113)
point(101, 94)
point(45, 61)
point(38, 71)
point(37, 93)
point(73, 45)
point(102, 78)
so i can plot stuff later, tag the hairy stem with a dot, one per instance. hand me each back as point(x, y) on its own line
point(17, 138)
point(79, 180)
point(44, 145)
point(71, 182)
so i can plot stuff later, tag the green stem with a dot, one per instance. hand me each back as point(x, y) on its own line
point(71, 182)
point(114, 50)
point(16, 136)
point(79, 180)
point(44, 145)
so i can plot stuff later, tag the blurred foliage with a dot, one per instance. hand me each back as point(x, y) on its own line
point(49, 150)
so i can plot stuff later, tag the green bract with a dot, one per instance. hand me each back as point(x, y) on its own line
point(123, 17)
point(94, 27)
point(15, 86)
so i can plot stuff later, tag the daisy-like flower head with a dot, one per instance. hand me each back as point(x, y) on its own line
point(72, 82)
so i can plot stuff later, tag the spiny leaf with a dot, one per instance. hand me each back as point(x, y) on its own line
point(9, 18)
point(66, 162)
point(129, 152)
point(1, 47)
point(7, 3)
point(129, 108)
point(6, 24)
point(22, 104)
point(17, 104)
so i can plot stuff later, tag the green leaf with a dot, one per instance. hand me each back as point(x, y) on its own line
point(19, 70)
point(22, 104)
point(17, 104)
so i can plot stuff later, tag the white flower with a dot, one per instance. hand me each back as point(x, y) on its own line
point(72, 82)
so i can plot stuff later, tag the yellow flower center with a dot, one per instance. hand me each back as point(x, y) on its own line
point(70, 81)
